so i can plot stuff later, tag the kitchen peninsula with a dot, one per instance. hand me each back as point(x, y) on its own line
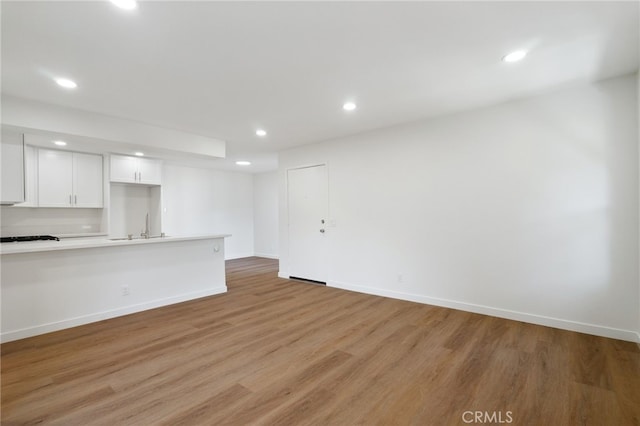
point(52, 285)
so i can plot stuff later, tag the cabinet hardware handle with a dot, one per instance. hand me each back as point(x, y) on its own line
point(70, 200)
point(75, 200)
point(140, 174)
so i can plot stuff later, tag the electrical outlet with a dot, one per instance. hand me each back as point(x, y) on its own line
point(125, 290)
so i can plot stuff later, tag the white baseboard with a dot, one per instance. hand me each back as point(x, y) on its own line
point(598, 330)
point(9, 336)
point(283, 275)
point(267, 256)
point(231, 256)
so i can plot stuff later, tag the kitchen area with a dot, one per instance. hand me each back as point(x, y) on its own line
point(83, 238)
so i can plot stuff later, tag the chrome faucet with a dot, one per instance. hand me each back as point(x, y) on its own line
point(145, 234)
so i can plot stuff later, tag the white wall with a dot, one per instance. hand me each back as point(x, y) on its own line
point(203, 201)
point(525, 210)
point(265, 214)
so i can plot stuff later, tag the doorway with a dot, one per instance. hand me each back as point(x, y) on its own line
point(308, 209)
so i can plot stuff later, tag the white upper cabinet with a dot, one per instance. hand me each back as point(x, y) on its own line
point(136, 170)
point(30, 176)
point(12, 167)
point(69, 179)
point(87, 180)
point(124, 169)
point(149, 171)
point(55, 178)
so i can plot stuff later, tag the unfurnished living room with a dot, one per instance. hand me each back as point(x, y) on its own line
point(320, 213)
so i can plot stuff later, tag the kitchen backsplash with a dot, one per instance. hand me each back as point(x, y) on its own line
point(129, 207)
point(17, 221)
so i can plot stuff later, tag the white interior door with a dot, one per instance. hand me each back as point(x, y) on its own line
point(308, 209)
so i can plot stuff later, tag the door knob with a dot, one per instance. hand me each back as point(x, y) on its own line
point(322, 231)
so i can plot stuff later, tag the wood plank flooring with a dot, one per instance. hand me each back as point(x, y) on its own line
point(280, 352)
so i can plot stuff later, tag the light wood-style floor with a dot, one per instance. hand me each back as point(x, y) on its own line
point(279, 352)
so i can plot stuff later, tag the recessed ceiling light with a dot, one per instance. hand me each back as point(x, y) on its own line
point(243, 163)
point(125, 4)
point(261, 132)
point(66, 83)
point(515, 56)
point(349, 106)
point(60, 143)
point(139, 154)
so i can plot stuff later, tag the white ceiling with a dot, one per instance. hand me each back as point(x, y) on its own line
point(223, 69)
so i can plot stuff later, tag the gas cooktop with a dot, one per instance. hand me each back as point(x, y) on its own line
point(28, 238)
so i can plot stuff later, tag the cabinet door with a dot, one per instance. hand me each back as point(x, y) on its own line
point(149, 171)
point(55, 177)
point(12, 167)
point(124, 169)
point(30, 177)
point(87, 180)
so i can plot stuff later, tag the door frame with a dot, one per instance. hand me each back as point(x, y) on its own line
point(288, 199)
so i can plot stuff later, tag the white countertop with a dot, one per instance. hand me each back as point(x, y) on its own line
point(84, 243)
